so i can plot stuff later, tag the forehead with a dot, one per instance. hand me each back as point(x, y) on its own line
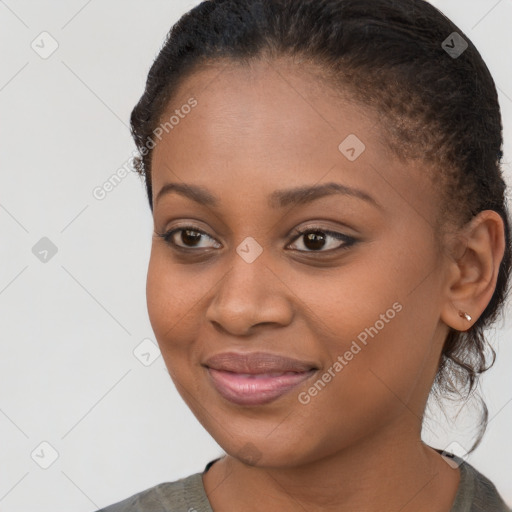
point(271, 124)
point(271, 99)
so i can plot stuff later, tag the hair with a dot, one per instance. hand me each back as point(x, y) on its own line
point(438, 108)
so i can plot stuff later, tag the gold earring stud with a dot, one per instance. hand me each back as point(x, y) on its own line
point(463, 314)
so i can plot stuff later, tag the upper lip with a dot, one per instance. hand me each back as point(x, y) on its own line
point(256, 363)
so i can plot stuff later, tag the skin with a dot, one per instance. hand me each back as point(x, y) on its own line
point(356, 445)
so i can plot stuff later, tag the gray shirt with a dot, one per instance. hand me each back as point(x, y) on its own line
point(475, 494)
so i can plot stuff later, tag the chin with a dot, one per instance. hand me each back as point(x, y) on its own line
point(289, 449)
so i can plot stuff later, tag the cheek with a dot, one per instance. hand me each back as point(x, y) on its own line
point(177, 296)
point(380, 323)
point(159, 295)
point(168, 300)
point(366, 384)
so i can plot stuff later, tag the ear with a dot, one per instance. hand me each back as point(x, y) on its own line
point(473, 272)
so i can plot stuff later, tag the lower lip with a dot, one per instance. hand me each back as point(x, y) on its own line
point(242, 389)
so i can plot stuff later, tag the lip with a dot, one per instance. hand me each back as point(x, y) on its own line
point(256, 378)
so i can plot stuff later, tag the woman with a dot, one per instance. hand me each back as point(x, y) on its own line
point(331, 239)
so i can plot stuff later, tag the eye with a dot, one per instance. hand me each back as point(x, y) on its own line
point(315, 238)
point(190, 236)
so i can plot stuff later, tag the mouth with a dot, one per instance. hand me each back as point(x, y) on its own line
point(257, 378)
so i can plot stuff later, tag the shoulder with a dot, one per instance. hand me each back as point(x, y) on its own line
point(184, 495)
point(476, 492)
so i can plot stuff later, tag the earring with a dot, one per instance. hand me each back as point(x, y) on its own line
point(463, 314)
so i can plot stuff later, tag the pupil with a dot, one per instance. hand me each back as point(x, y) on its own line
point(187, 233)
point(317, 238)
point(314, 240)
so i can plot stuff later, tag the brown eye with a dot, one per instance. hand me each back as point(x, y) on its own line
point(316, 239)
point(189, 238)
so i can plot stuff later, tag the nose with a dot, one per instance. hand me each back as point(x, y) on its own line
point(250, 294)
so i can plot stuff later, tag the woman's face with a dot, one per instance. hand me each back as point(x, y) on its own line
point(355, 301)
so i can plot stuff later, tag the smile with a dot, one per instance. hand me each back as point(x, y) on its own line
point(257, 378)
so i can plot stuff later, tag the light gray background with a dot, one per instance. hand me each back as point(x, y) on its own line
point(70, 325)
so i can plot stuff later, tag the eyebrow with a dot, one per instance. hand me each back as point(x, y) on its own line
point(277, 199)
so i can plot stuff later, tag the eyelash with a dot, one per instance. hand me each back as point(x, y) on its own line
point(349, 241)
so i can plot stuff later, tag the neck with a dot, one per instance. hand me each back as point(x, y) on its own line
point(393, 472)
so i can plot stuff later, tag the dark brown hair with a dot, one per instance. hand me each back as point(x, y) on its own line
point(435, 106)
